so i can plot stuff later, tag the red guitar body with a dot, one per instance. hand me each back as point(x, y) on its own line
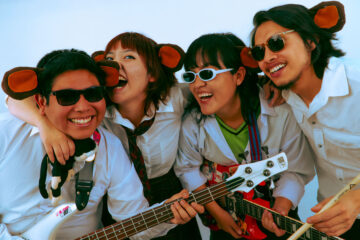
point(252, 229)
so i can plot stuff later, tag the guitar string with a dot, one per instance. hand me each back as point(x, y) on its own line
point(223, 187)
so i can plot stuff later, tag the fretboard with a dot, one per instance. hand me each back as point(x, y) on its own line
point(290, 225)
point(150, 218)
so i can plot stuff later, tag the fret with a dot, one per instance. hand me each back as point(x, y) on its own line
point(133, 224)
point(211, 194)
point(112, 227)
point(144, 220)
point(122, 225)
point(193, 196)
point(155, 215)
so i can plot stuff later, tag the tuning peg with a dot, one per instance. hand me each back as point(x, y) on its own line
point(270, 164)
point(248, 170)
point(266, 172)
point(249, 183)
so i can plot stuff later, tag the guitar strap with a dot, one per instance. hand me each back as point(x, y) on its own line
point(84, 179)
point(216, 173)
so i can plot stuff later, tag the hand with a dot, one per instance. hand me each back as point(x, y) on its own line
point(282, 205)
point(273, 94)
point(227, 223)
point(339, 218)
point(56, 142)
point(183, 211)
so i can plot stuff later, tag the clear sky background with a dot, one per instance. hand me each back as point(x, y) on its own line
point(31, 28)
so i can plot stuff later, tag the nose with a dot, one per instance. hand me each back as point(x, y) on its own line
point(82, 105)
point(269, 55)
point(198, 82)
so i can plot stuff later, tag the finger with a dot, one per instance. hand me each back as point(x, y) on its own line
point(235, 231)
point(71, 145)
point(198, 207)
point(188, 208)
point(177, 219)
point(182, 194)
point(320, 205)
point(59, 154)
point(49, 152)
point(65, 150)
point(183, 215)
point(278, 232)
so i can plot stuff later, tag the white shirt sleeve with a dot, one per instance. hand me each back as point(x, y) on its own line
point(291, 184)
point(189, 159)
point(5, 235)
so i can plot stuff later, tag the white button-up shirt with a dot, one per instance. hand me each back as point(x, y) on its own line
point(21, 205)
point(159, 144)
point(278, 132)
point(331, 124)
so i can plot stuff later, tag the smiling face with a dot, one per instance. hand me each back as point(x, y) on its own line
point(134, 77)
point(217, 96)
point(288, 65)
point(80, 120)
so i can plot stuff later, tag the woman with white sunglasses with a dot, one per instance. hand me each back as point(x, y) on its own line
point(225, 112)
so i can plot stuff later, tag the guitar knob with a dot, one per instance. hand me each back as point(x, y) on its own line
point(270, 164)
point(266, 172)
point(248, 170)
point(249, 183)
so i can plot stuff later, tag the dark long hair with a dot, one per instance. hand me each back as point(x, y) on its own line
point(227, 48)
point(298, 18)
point(148, 49)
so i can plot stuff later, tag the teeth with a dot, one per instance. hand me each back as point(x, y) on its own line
point(80, 120)
point(202, 95)
point(277, 68)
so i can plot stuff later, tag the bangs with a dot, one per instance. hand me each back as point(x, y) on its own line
point(142, 45)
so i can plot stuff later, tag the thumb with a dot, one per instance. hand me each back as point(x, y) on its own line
point(320, 205)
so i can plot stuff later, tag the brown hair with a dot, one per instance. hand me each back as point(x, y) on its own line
point(148, 49)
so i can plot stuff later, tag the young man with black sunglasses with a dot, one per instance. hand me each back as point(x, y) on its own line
point(293, 47)
point(68, 87)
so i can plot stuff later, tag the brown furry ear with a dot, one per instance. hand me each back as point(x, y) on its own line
point(111, 68)
point(329, 15)
point(98, 56)
point(171, 56)
point(247, 59)
point(21, 82)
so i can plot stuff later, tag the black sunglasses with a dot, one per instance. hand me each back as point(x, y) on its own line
point(67, 97)
point(275, 43)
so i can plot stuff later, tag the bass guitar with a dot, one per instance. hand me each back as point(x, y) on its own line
point(245, 178)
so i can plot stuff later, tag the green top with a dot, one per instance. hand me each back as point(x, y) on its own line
point(237, 139)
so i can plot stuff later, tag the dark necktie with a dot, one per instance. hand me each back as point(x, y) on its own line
point(136, 155)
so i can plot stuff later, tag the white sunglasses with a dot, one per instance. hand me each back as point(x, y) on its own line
point(205, 74)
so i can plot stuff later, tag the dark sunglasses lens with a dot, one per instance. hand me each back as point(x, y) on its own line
point(188, 77)
point(258, 53)
point(94, 94)
point(206, 74)
point(67, 97)
point(276, 43)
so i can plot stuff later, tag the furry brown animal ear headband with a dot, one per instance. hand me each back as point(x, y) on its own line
point(171, 56)
point(329, 15)
point(22, 82)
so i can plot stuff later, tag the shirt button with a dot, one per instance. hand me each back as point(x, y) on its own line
point(313, 122)
point(320, 146)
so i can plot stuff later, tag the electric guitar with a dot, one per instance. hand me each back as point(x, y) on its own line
point(254, 208)
point(245, 178)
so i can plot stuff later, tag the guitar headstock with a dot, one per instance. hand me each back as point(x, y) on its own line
point(255, 173)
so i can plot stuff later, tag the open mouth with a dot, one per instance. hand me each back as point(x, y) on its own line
point(277, 68)
point(205, 96)
point(122, 83)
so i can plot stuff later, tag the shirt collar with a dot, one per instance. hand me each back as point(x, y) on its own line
point(334, 84)
point(264, 105)
point(116, 117)
point(34, 131)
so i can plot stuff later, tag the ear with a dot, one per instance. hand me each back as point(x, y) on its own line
point(111, 68)
point(247, 59)
point(329, 15)
point(41, 102)
point(21, 82)
point(98, 56)
point(240, 75)
point(171, 56)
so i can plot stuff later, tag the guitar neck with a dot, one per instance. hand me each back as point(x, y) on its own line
point(289, 224)
point(150, 218)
